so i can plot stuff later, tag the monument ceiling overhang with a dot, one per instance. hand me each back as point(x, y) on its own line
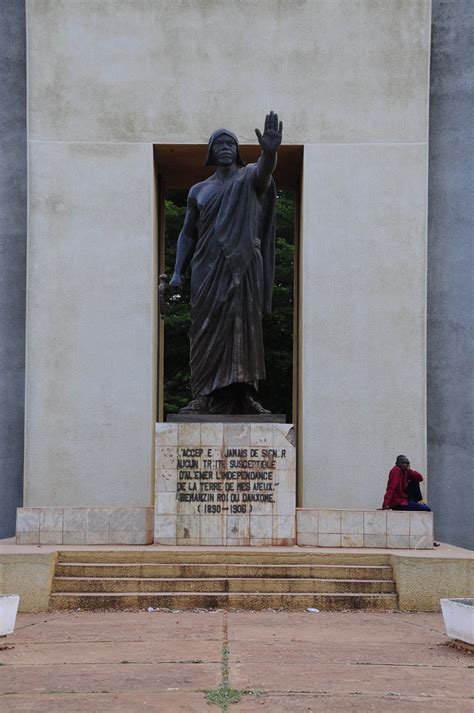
point(182, 165)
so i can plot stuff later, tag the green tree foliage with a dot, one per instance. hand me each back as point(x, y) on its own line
point(276, 392)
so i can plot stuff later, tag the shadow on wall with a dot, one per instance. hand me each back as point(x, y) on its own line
point(13, 202)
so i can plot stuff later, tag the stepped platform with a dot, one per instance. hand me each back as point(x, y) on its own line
point(173, 577)
point(248, 580)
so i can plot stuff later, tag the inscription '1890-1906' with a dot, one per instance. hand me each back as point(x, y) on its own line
point(228, 479)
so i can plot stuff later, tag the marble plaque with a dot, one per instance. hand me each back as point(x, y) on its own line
point(225, 484)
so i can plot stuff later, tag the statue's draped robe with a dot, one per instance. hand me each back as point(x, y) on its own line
point(231, 283)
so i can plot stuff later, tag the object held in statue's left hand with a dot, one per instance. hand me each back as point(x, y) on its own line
point(163, 289)
point(176, 285)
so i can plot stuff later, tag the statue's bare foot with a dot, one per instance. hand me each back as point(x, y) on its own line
point(251, 405)
point(197, 405)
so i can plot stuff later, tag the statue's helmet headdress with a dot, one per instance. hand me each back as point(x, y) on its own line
point(214, 136)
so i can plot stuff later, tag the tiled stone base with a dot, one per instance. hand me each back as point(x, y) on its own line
point(228, 517)
point(84, 526)
point(365, 528)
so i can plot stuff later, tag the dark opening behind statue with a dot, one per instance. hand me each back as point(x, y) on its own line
point(228, 240)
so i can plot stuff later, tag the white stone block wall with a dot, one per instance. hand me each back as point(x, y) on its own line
point(84, 526)
point(364, 528)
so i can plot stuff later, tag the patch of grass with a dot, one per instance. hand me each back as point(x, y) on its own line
point(223, 696)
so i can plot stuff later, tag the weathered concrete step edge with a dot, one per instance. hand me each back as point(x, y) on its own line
point(84, 569)
point(217, 600)
point(210, 584)
point(198, 556)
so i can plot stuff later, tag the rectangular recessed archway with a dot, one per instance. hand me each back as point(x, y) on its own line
point(178, 167)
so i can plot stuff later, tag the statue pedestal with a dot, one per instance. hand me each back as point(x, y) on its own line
point(219, 418)
point(225, 484)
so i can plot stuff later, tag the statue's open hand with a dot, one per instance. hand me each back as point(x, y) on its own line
point(272, 134)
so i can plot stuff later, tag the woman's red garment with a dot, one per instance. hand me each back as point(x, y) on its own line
point(396, 493)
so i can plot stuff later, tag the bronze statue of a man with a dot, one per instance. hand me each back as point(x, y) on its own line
point(228, 239)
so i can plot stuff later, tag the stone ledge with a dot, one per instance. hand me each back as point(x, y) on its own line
point(364, 528)
point(84, 525)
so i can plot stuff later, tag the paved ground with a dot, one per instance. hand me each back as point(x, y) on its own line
point(286, 662)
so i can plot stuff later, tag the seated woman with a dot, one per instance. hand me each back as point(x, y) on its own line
point(402, 482)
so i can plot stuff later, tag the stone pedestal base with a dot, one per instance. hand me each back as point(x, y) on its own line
point(84, 526)
point(225, 484)
point(365, 528)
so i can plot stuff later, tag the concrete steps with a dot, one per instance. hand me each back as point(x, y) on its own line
point(213, 600)
point(216, 585)
point(256, 556)
point(128, 579)
point(199, 571)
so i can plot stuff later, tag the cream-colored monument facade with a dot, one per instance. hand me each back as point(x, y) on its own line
point(106, 81)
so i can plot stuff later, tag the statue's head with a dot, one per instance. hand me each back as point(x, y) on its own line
point(223, 149)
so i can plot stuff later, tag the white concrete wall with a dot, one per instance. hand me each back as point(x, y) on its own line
point(108, 78)
point(135, 70)
point(90, 325)
point(363, 338)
